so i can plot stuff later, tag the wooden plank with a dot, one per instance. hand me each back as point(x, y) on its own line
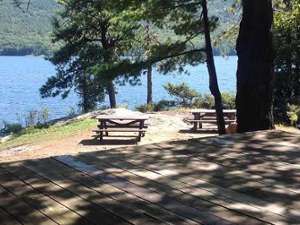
point(193, 167)
point(211, 183)
point(119, 130)
point(36, 200)
point(118, 197)
point(211, 155)
point(209, 121)
point(119, 117)
point(123, 126)
point(21, 211)
point(178, 204)
point(246, 205)
point(49, 207)
point(118, 209)
point(88, 213)
point(7, 219)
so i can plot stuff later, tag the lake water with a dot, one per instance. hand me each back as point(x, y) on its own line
point(21, 78)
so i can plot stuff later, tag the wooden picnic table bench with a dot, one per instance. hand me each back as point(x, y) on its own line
point(121, 124)
point(208, 116)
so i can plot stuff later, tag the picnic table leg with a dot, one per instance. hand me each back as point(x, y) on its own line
point(196, 117)
point(141, 132)
point(105, 126)
point(200, 125)
point(101, 132)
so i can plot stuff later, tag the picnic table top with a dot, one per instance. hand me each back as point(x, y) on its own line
point(212, 111)
point(123, 117)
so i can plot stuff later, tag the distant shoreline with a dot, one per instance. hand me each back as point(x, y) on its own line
point(47, 52)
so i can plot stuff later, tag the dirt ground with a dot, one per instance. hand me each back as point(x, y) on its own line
point(166, 126)
point(163, 127)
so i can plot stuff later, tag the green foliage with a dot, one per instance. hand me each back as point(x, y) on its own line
point(183, 94)
point(228, 100)
point(31, 119)
point(71, 112)
point(204, 102)
point(294, 114)
point(187, 97)
point(43, 116)
point(95, 37)
point(145, 108)
point(25, 32)
point(162, 105)
point(35, 118)
point(287, 65)
point(52, 133)
point(11, 128)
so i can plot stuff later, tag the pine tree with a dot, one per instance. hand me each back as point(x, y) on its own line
point(255, 67)
point(187, 42)
point(95, 36)
point(287, 59)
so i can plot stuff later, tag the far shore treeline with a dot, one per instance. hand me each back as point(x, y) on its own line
point(29, 33)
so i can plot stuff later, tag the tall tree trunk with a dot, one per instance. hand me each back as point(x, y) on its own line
point(84, 95)
point(149, 85)
point(111, 94)
point(213, 81)
point(255, 67)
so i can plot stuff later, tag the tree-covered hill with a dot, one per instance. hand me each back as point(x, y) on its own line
point(26, 32)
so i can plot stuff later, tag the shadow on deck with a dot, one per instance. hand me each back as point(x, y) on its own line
point(241, 179)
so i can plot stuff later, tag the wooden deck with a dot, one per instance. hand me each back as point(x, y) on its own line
point(243, 179)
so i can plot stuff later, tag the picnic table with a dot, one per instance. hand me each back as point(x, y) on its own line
point(209, 116)
point(120, 124)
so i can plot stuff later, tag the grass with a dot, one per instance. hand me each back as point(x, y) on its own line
point(289, 129)
point(54, 132)
point(59, 131)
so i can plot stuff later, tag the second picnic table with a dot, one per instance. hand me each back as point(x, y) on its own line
point(209, 116)
point(118, 123)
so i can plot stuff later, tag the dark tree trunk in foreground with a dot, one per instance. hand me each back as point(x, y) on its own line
point(112, 94)
point(213, 81)
point(149, 85)
point(255, 67)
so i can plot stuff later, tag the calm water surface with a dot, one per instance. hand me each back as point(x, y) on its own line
point(21, 78)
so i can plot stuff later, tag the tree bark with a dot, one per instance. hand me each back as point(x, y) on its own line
point(149, 85)
point(111, 94)
point(213, 81)
point(84, 95)
point(255, 67)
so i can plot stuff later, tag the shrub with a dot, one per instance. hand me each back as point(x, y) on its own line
point(43, 116)
point(187, 97)
point(184, 95)
point(72, 112)
point(162, 105)
point(11, 128)
point(31, 119)
point(294, 114)
point(37, 119)
point(206, 102)
point(228, 100)
point(145, 108)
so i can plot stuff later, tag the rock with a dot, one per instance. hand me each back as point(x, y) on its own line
point(5, 139)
